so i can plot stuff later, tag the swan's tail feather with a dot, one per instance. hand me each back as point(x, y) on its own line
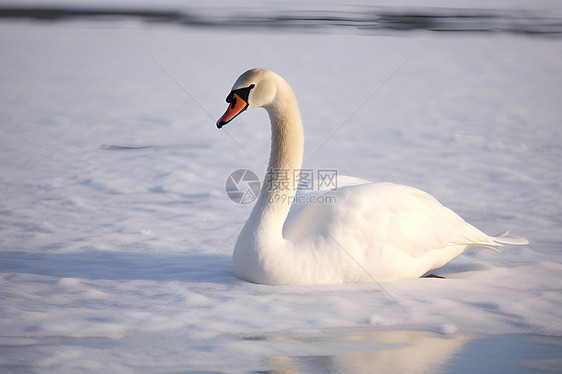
point(472, 237)
point(505, 238)
point(487, 246)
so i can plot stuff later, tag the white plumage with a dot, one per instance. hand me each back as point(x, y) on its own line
point(360, 232)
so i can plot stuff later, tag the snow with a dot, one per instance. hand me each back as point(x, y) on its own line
point(116, 233)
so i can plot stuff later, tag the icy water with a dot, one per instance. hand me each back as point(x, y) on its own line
point(394, 351)
point(116, 232)
point(366, 17)
point(427, 352)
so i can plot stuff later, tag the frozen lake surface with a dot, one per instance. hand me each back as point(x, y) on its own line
point(116, 233)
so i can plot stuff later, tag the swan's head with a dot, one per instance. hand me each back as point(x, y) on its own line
point(253, 89)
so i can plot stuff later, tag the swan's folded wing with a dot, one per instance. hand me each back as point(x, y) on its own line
point(371, 216)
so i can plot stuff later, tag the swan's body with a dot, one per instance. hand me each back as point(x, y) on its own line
point(366, 233)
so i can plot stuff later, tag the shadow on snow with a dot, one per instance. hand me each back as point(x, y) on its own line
point(95, 265)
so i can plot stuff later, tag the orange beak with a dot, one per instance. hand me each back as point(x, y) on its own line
point(236, 106)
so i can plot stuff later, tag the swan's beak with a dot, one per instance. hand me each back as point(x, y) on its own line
point(236, 106)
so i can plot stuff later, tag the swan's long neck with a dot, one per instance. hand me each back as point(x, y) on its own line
point(280, 185)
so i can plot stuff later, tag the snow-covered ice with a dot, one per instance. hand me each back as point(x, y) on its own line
point(116, 233)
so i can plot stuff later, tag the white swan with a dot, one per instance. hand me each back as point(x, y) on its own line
point(372, 233)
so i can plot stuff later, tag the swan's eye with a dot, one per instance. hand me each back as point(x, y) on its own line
point(242, 93)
